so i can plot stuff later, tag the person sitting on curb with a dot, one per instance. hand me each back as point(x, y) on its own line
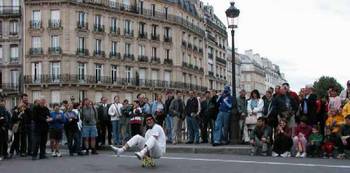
point(260, 138)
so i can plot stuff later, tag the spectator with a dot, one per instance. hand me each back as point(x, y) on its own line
point(213, 111)
point(73, 131)
point(260, 138)
point(302, 133)
point(205, 117)
point(283, 140)
point(334, 99)
point(26, 125)
point(309, 107)
point(330, 143)
point(267, 104)
point(223, 118)
point(315, 142)
point(16, 122)
point(255, 109)
point(115, 112)
point(104, 123)
point(242, 111)
point(136, 119)
point(345, 135)
point(143, 102)
point(41, 115)
point(335, 120)
point(56, 122)
point(345, 94)
point(4, 125)
point(76, 109)
point(169, 118)
point(177, 110)
point(89, 119)
point(124, 121)
point(157, 110)
point(277, 91)
point(346, 109)
point(192, 111)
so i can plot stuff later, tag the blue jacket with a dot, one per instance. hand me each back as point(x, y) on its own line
point(58, 120)
point(225, 104)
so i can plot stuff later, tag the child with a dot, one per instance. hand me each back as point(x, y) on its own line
point(302, 133)
point(56, 122)
point(260, 138)
point(315, 141)
point(328, 144)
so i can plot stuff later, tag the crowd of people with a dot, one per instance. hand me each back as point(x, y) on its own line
point(281, 123)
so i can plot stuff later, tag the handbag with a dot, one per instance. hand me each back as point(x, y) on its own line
point(251, 120)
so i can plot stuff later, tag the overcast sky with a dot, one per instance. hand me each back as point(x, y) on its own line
point(307, 38)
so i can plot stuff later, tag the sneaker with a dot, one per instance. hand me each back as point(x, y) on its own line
point(58, 154)
point(297, 155)
point(275, 154)
point(285, 154)
point(117, 151)
point(1, 158)
point(54, 154)
point(139, 155)
point(303, 155)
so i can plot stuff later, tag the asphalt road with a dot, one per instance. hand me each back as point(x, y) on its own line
point(105, 162)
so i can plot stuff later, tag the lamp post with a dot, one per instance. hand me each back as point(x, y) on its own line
point(231, 14)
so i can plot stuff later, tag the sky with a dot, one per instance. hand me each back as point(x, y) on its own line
point(306, 38)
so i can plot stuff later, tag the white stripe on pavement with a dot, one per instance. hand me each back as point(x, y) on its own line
point(249, 162)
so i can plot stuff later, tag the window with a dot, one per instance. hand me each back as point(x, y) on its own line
point(81, 71)
point(127, 27)
point(36, 19)
point(55, 41)
point(82, 16)
point(155, 74)
point(126, 2)
point(13, 27)
point(127, 49)
point(14, 52)
point(114, 48)
point(36, 72)
point(141, 28)
point(82, 95)
point(142, 76)
point(55, 71)
point(154, 30)
point(98, 46)
point(1, 56)
point(55, 18)
point(113, 24)
point(167, 53)
point(128, 74)
point(113, 3)
point(153, 7)
point(114, 73)
point(55, 96)
point(14, 78)
point(141, 50)
point(99, 72)
point(141, 7)
point(154, 52)
point(167, 33)
point(167, 78)
point(36, 42)
point(98, 20)
point(0, 26)
point(81, 43)
point(98, 96)
point(36, 95)
point(166, 12)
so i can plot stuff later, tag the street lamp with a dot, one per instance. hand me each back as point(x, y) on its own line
point(231, 14)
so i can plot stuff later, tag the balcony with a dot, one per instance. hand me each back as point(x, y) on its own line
point(55, 50)
point(184, 44)
point(155, 37)
point(220, 60)
point(35, 51)
point(13, 33)
point(14, 60)
point(55, 24)
point(155, 60)
point(212, 38)
point(201, 69)
point(82, 26)
point(142, 36)
point(114, 31)
point(99, 28)
point(82, 52)
point(12, 11)
point(128, 33)
point(168, 61)
point(35, 25)
point(129, 57)
point(168, 39)
point(142, 58)
point(210, 56)
point(184, 64)
point(114, 55)
point(99, 53)
point(210, 73)
point(9, 88)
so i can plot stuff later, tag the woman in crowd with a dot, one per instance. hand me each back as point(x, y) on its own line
point(283, 140)
point(255, 110)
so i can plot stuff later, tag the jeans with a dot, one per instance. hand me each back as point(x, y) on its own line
point(193, 129)
point(74, 141)
point(124, 129)
point(259, 147)
point(169, 127)
point(176, 131)
point(222, 123)
point(115, 131)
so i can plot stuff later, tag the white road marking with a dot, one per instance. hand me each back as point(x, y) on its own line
point(248, 162)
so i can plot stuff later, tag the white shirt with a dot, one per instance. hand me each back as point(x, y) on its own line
point(115, 112)
point(158, 132)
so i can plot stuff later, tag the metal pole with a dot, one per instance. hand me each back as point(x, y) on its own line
point(234, 120)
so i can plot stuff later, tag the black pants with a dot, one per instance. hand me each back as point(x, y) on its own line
point(3, 142)
point(314, 150)
point(39, 141)
point(206, 122)
point(105, 126)
point(73, 138)
point(26, 136)
point(135, 129)
point(15, 144)
point(282, 144)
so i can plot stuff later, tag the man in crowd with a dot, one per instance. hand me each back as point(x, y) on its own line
point(242, 110)
point(115, 113)
point(260, 138)
point(146, 108)
point(89, 119)
point(205, 117)
point(169, 118)
point(26, 125)
point(177, 111)
point(309, 107)
point(4, 125)
point(41, 116)
point(105, 125)
point(192, 111)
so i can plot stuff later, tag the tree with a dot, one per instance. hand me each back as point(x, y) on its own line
point(322, 85)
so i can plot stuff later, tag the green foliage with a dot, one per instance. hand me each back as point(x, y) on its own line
point(322, 85)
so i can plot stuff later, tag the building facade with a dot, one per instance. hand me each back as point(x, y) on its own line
point(273, 75)
point(10, 50)
point(216, 46)
point(95, 48)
